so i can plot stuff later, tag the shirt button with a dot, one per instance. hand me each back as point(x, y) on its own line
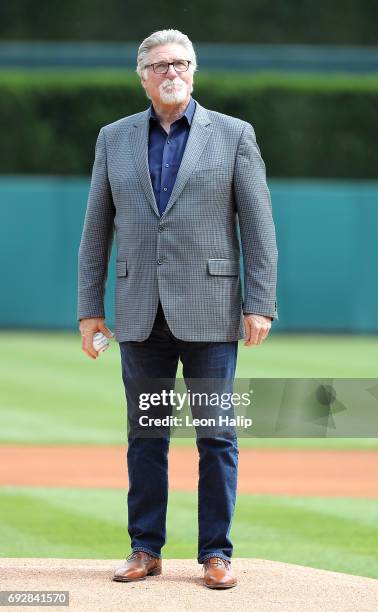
point(167, 165)
point(165, 189)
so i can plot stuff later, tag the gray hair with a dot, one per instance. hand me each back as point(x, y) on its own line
point(163, 37)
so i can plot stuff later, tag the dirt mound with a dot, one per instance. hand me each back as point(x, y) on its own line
point(262, 586)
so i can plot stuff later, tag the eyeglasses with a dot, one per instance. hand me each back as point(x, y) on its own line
point(163, 67)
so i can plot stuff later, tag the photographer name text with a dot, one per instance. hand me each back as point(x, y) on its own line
point(175, 421)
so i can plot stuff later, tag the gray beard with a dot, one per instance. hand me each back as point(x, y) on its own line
point(173, 97)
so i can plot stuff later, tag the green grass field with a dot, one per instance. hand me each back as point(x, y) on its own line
point(51, 393)
point(334, 534)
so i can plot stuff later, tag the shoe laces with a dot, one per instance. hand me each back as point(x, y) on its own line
point(218, 561)
point(138, 554)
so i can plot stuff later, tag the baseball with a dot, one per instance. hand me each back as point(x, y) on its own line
point(100, 342)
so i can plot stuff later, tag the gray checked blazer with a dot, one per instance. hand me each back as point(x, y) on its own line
point(189, 256)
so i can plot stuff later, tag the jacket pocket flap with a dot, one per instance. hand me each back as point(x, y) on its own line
point(223, 267)
point(121, 268)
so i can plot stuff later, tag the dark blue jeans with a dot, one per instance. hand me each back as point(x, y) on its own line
point(147, 458)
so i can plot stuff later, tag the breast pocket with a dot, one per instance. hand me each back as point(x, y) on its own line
point(219, 167)
point(210, 184)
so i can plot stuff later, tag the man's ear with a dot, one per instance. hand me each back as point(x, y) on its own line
point(144, 87)
point(143, 83)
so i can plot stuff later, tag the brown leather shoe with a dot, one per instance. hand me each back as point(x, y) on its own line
point(218, 574)
point(137, 566)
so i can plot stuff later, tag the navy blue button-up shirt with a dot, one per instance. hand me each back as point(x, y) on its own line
point(165, 152)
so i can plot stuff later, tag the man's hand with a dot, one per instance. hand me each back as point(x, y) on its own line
point(88, 328)
point(256, 328)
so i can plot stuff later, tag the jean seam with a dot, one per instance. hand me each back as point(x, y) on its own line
point(214, 554)
point(147, 550)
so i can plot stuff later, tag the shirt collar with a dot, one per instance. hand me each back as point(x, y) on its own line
point(188, 113)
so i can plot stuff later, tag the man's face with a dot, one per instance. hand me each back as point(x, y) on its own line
point(171, 88)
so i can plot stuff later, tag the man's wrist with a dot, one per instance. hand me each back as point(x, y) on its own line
point(249, 313)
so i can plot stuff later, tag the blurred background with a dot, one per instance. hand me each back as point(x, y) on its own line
point(305, 75)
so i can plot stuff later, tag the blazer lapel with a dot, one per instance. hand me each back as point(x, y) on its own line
point(139, 147)
point(198, 136)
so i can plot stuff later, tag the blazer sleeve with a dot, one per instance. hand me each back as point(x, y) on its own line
point(97, 238)
point(257, 231)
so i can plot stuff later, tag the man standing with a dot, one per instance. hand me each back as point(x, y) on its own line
point(172, 183)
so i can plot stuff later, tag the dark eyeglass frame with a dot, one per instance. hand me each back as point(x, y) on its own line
point(169, 64)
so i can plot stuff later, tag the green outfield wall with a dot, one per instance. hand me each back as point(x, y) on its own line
point(327, 245)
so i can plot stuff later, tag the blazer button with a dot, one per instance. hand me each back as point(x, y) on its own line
point(159, 262)
point(161, 228)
